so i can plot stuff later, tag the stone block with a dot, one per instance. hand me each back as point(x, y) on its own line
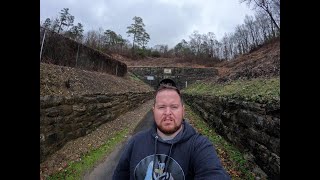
point(52, 138)
point(66, 110)
point(53, 112)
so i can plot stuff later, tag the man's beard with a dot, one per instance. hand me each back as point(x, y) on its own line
point(169, 131)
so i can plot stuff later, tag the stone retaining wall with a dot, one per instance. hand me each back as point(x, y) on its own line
point(65, 118)
point(253, 127)
point(63, 51)
point(182, 76)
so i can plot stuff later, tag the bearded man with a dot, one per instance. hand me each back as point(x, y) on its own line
point(171, 149)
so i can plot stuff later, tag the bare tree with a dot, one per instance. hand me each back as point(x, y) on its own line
point(262, 23)
point(250, 25)
point(204, 47)
point(195, 42)
point(162, 49)
point(244, 37)
point(92, 39)
point(182, 49)
point(231, 45)
point(269, 6)
point(211, 43)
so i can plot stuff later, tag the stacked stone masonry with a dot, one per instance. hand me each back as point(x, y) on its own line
point(182, 76)
point(65, 118)
point(253, 127)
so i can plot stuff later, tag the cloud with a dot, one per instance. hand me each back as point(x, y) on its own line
point(167, 21)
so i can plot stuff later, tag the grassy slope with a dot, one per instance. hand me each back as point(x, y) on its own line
point(257, 90)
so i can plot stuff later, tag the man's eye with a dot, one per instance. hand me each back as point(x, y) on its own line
point(161, 107)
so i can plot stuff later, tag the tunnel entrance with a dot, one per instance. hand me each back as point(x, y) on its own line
point(167, 81)
point(181, 76)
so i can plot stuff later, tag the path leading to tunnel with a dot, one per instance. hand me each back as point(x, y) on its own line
point(105, 169)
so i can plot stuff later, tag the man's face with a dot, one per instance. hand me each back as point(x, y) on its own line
point(168, 111)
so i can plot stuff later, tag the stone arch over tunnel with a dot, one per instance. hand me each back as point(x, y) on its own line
point(182, 76)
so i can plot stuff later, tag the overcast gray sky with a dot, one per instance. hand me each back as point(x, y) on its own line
point(166, 21)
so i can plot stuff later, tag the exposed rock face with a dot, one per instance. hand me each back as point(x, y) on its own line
point(253, 127)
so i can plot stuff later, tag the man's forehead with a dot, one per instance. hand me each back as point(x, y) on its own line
point(167, 91)
point(168, 96)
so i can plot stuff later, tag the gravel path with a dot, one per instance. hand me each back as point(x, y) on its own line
point(73, 150)
point(104, 171)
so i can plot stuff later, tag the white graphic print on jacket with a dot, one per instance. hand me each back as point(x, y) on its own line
point(164, 168)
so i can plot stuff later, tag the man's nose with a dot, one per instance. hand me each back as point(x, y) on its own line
point(167, 111)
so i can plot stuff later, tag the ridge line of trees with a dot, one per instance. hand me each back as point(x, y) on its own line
point(256, 30)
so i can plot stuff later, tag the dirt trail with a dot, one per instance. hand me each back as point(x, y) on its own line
point(105, 170)
point(73, 150)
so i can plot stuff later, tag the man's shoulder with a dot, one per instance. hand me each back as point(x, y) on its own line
point(142, 134)
point(199, 139)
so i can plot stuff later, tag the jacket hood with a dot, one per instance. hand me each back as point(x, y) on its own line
point(187, 132)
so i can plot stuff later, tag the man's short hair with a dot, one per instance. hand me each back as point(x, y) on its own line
point(167, 87)
point(167, 81)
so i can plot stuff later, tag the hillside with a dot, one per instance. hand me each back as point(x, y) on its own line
point(158, 62)
point(60, 80)
point(263, 62)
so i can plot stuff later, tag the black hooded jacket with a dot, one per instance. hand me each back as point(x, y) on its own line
point(188, 156)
